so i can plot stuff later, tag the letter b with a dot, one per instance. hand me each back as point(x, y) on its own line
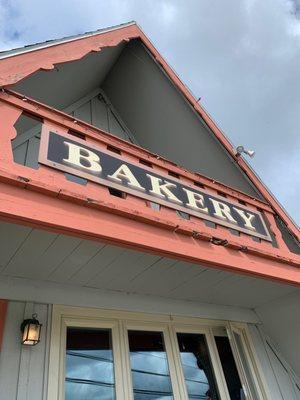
point(78, 154)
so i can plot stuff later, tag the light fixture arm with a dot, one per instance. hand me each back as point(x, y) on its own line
point(240, 150)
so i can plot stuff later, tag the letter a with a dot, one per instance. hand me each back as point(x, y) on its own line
point(124, 173)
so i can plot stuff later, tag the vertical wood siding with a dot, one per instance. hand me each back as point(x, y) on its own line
point(3, 310)
point(279, 377)
point(23, 369)
point(96, 111)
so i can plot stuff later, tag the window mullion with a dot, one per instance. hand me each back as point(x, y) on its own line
point(177, 363)
point(175, 379)
point(62, 360)
point(127, 378)
point(118, 367)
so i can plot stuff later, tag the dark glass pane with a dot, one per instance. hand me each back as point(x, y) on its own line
point(229, 368)
point(89, 365)
point(149, 366)
point(197, 368)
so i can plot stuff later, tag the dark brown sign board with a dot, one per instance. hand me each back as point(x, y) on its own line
point(73, 155)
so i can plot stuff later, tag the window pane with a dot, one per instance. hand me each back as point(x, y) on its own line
point(229, 368)
point(197, 368)
point(89, 365)
point(149, 366)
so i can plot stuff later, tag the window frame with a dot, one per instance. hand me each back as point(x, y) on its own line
point(120, 322)
point(251, 358)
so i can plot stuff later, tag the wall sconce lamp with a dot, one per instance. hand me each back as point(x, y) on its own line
point(31, 331)
point(240, 150)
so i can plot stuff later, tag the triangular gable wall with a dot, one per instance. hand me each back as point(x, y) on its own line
point(14, 68)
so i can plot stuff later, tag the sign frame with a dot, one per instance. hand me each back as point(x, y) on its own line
point(43, 159)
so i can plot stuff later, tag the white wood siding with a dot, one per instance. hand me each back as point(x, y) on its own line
point(24, 369)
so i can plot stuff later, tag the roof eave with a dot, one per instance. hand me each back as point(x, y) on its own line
point(55, 42)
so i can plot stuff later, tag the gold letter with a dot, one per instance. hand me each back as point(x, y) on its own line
point(222, 211)
point(195, 201)
point(77, 154)
point(247, 218)
point(123, 172)
point(163, 190)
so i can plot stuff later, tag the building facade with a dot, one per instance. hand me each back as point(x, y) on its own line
point(140, 256)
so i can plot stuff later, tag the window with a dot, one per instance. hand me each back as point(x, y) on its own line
point(231, 374)
point(89, 364)
point(251, 381)
point(110, 355)
point(149, 366)
point(196, 364)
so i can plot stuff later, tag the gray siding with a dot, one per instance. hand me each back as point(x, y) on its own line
point(163, 121)
point(96, 111)
point(23, 369)
point(281, 381)
point(281, 322)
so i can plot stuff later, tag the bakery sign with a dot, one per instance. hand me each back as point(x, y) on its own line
point(73, 155)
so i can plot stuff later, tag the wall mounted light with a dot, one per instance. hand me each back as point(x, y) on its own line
point(240, 149)
point(31, 331)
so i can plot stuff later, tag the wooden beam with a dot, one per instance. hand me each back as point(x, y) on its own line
point(19, 206)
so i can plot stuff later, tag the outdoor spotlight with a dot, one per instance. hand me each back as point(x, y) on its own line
point(241, 149)
point(31, 331)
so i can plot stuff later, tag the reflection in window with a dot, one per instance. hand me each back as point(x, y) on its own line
point(149, 366)
point(89, 365)
point(197, 368)
point(229, 368)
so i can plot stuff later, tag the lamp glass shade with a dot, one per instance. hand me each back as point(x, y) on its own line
point(31, 333)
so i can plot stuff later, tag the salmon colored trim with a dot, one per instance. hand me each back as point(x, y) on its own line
point(222, 139)
point(71, 218)
point(43, 111)
point(3, 312)
point(17, 67)
point(162, 220)
point(52, 182)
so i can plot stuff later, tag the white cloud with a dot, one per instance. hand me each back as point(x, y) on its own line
point(242, 57)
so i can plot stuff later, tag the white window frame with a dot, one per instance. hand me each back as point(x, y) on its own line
point(252, 361)
point(119, 322)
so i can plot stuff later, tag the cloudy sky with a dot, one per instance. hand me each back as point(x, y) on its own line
point(242, 57)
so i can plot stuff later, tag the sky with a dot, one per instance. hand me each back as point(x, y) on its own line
point(242, 57)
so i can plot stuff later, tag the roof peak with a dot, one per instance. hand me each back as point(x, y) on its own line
point(53, 42)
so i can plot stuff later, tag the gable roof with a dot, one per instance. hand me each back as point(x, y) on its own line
point(19, 63)
point(53, 42)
